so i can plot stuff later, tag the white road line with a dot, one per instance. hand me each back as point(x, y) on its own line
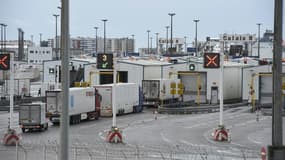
point(164, 138)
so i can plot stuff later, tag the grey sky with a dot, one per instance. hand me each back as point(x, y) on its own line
point(127, 17)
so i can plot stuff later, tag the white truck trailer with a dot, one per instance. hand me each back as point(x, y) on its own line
point(156, 91)
point(33, 116)
point(84, 104)
point(126, 98)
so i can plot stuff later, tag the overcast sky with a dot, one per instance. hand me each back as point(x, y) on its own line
point(127, 17)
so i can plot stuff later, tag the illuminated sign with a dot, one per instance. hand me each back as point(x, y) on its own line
point(192, 67)
point(211, 60)
point(4, 61)
point(105, 61)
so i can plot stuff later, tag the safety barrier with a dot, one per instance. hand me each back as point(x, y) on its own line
point(106, 151)
point(195, 109)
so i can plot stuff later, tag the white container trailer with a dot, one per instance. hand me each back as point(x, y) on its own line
point(126, 98)
point(33, 116)
point(157, 90)
point(84, 104)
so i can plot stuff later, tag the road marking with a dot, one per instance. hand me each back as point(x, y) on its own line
point(164, 138)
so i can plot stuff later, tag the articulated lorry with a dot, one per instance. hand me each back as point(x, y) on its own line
point(33, 116)
point(84, 104)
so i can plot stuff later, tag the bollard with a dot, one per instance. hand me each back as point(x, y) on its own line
point(17, 151)
point(44, 152)
point(263, 153)
point(75, 153)
point(25, 155)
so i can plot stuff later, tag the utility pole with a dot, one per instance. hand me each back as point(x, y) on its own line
point(258, 42)
point(5, 25)
point(32, 39)
point(196, 49)
point(65, 39)
point(277, 150)
point(56, 43)
point(133, 37)
point(1, 45)
point(96, 41)
point(127, 46)
point(171, 30)
point(40, 39)
point(166, 49)
point(185, 44)
point(148, 41)
point(150, 44)
point(157, 51)
point(104, 20)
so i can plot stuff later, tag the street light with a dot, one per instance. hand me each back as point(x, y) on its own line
point(5, 25)
point(196, 21)
point(150, 44)
point(166, 49)
point(133, 37)
point(1, 45)
point(56, 43)
point(104, 20)
point(157, 43)
point(40, 39)
point(96, 41)
point(148, 41)
point(171, 30)
point(32, 39)
point(185, 38)
point(127, 39)
point(258, 40)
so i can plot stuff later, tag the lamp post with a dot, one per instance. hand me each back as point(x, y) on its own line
point(166, 48)
point(96, 41)
point(196, 49)
point(127, 46)
point(150, 44)
point(185, 43)
point(148, 41)
point(1, 35)
point(133, 37)
point(5, 25)
point(157, 51)
point(40, 39)
point(258, 40)
point(32, 39)
point(56, 43)
point(104, 20)
point(171, 29)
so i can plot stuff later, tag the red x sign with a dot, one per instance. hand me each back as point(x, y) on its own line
point(4, 61)
point(211, 60)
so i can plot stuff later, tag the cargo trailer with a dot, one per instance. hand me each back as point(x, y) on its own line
point(126, 98)
point(84, 104)
point(33, 116)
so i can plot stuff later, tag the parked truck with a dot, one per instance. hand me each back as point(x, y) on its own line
point(127, 99)
point(84, 104)
point(157, 91)
point(33, 116)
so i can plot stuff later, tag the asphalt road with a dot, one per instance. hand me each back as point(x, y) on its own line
point(143, 130)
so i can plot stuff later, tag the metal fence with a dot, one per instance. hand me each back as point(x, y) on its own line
point(106, 151)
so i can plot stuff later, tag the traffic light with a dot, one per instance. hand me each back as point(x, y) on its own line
point(192, 67)
point(211, 60)
point(104, 61)
point(4, 61)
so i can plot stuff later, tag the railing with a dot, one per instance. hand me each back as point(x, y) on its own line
point(106, 151)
